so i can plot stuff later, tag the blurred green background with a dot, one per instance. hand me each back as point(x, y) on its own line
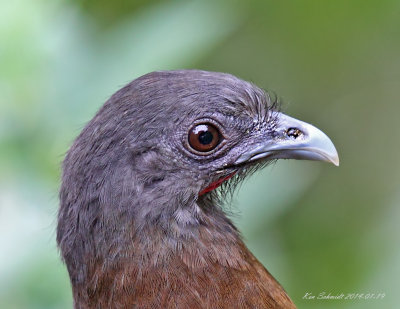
point(335, 64)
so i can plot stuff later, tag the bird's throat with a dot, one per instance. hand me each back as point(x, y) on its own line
point(216, 184)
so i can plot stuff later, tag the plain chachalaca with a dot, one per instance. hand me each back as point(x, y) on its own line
point(140, 224)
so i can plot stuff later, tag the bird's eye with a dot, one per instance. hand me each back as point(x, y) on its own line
point(204, 137)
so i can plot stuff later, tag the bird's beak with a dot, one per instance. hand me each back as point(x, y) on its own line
point(293, 139)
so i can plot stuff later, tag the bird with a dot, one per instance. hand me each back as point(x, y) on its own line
point(142, 222)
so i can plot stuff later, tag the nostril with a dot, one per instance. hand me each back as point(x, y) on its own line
point(293, 133)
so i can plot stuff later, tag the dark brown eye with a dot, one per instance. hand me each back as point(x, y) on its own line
point(204, 137)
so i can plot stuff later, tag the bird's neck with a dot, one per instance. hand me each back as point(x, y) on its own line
point(192, 234)
point(201, 259)
point(196, 233)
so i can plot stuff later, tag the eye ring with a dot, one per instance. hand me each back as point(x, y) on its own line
point(204, 137)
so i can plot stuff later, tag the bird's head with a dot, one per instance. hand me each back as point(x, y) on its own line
point(186, 132)
point(164, 142)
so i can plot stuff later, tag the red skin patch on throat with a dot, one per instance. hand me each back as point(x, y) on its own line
point(216, 184)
